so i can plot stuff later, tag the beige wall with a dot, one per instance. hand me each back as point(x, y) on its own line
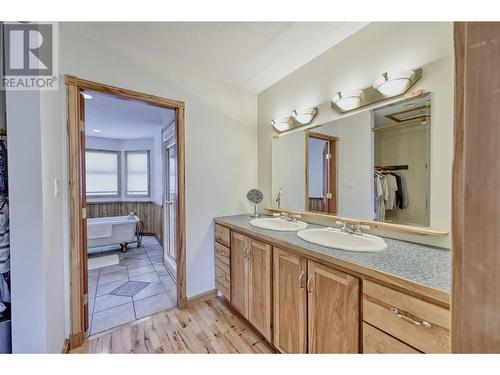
point(356, 63)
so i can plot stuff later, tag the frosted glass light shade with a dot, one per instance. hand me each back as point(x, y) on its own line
point(391, 84)
point(347, 100)
point(306, 116)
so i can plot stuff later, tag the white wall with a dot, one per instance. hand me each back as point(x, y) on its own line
point(124, 145)
point(288, 171)
point(355, 63)
point(315, 168)
point(355, 164)
point(36, 215)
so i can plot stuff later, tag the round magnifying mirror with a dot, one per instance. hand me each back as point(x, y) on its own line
point(255, 196)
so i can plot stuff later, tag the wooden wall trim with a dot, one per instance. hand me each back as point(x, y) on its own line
point(117, 91)
point(372, 224)
point(476, 177)
point(181, 208)
point(76, 277)
point(457, 221)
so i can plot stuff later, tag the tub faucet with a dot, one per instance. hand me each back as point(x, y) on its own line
point(131, 215)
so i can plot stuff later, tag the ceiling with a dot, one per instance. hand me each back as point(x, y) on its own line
point(246, 55)
point(380, 118)
point(119, 118)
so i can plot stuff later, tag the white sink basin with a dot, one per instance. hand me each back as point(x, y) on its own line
point(336, 239)
point(278, 224)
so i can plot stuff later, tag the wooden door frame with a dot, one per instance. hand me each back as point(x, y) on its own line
point(333, 176)
point(77, 213)
point(475, 204)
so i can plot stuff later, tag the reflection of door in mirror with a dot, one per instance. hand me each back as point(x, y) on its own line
point(321, 173)
point(170, 198)
point(401, 156)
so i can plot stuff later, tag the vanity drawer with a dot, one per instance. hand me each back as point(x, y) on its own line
point(222, 235)
point(222, 257)
point(418, 323)
point(223, 282)
point(376, 341)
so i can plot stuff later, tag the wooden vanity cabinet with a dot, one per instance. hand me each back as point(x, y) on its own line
point(332, 310)
point(290, 302)
point(303, 306)
point(316, 308)
point(251, 281)
point(239, 273)
point(410, 320)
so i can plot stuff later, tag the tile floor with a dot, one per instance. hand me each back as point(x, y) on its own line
point(136, 287)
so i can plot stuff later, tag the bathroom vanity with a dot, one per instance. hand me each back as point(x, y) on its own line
point(306, 298)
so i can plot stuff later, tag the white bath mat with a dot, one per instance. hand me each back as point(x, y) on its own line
point(105, 261)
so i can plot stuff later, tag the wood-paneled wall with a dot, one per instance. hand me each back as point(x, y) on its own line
point(149, 212)
point(317, 205)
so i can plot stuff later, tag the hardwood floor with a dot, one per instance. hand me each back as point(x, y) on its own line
point(204, 327)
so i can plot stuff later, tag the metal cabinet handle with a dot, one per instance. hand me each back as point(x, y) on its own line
point(301, 278)
point(309, 279)
point(221, 252)
point(423, 323)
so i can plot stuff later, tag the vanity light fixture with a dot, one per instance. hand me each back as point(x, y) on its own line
point(391, 84)
point(86, 96)
point(295, 120)
point(306, 116)
point(347, 101)
point(281, 125)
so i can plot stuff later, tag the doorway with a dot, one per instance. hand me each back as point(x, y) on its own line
point(321, 173)
point(78, 209)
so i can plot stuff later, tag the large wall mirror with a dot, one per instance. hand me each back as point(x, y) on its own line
point(373, 165)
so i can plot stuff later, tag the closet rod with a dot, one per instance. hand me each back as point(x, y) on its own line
point(421, 119)
point(393, 167)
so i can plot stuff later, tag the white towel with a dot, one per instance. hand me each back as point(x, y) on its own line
point(99, 230)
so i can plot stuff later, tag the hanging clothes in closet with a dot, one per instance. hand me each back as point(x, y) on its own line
point(381, 195)
point(390, 192)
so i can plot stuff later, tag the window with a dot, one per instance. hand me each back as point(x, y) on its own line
point(102, 170)
point(137, 174)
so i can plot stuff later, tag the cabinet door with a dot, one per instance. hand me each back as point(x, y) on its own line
point(333, 310)
point(239, 272)
point(290, 302)
point(259, 287)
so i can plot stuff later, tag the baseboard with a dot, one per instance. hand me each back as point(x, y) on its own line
point(76, 340)
point(65, 349)
point(202, 297)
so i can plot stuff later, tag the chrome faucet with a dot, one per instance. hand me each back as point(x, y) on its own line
point(278, 198)
point(352, 228)
point(289, 217)
point(131, 215)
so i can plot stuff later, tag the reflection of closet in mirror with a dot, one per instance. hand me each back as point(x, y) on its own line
point(401, 157)
point(321, 173)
